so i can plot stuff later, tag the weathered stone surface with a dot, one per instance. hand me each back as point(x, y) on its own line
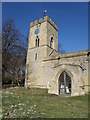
point(44, 72)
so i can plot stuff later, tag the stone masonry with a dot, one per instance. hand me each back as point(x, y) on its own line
point(44, 65)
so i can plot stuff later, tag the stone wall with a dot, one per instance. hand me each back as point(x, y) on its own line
point(75, 64)
point(34, 70)
point(44, 72)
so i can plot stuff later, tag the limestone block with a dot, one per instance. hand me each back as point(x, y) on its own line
point(36, 22)
point(40, 20)
point(31, 25)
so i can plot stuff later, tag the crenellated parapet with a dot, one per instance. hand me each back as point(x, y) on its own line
point(41, 20)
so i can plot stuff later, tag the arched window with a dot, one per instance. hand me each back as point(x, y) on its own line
point(51, 42)
point(37, 42)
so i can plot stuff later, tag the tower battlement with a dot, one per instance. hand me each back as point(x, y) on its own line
point(41, 20)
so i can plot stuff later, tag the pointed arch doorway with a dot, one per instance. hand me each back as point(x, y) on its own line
point(65, 84)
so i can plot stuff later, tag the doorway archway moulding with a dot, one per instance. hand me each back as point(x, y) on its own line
point(69, 74)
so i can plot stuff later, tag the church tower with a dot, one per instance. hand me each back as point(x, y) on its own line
point(43, 42)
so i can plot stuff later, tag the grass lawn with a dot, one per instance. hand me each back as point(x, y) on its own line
point(37, 103)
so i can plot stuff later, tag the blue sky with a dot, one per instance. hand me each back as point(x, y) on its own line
point(71, 19)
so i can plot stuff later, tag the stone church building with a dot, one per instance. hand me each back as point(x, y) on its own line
point(61, 74)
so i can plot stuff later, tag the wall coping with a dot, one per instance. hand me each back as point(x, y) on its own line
point(67, 55)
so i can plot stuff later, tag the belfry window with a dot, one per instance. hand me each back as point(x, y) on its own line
point(37, 42)
point(51, 42)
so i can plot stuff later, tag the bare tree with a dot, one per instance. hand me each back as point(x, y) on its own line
point(13, 52)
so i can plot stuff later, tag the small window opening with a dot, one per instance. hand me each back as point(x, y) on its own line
point(37, 42)
point(36, 56)
point(51, 42)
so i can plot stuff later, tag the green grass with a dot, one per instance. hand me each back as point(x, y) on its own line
point(37, 103)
